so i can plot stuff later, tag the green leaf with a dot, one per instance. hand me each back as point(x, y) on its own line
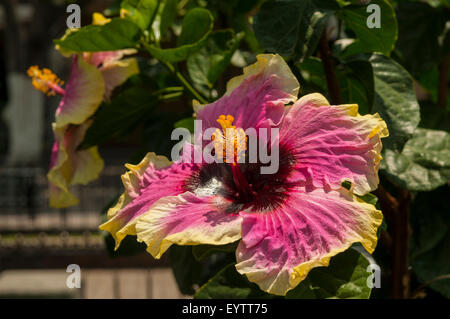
point(187, 123)
point(118, 118)
point(430, 242)
point(200, 252)
point(140, 11)
point(420, 26)
point(168, 15)
point(208, 64)
point(357, 84)
point(196, 26)
point(395, 100)
point(371, 39)
point(424, 162)
point(369, 198)
point(228, 283)
point(186, 268)
point(115, 35)
point(190, 272)
point(311, 70)
point(345, 277)
point(292, 27)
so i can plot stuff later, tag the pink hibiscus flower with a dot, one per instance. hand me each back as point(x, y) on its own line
point(287, 222)
point(93, 76)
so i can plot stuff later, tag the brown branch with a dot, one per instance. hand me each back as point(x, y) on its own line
point(443, 82)
point(396, 211)
point(328, 67)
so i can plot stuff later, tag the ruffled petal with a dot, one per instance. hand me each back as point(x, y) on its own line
point(280, 247)
point(333, 143)
point(152, 179)
point(187, 220)
point(256, 98)
point(116, 73)
point(69, 166)
point(83, 94)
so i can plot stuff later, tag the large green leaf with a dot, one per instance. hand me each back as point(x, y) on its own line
point(115, 35)
point(208, 64)
point(292, 27)
point(196, 26)
point(345, 277)
point(200, 252)
point(187, 123)
point(228, 283)
point(189, 272)
point(430, 242)
point(371, 39)
point(186, 269)
point(355, 79)
point(168, 15)
point(313, 76)
point(118, 118)
point(140, 11)
point(424, 162)
point(357, 84)
point(395, 100)
point(420, 25)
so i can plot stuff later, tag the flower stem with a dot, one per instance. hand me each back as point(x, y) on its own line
point(396, 211)
point(184, 82)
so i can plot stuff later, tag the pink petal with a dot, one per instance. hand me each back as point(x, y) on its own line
point(152, 179)
point(332, 144)
point(187, 220)
point(83, 94)
point(256, 98)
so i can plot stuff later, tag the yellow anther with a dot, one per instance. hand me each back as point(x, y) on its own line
point(44, 80)
point(229, 142)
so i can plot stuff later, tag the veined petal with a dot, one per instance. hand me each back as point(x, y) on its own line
point(279, 248)
point(152, 179)
point(333, 143)
point(116, 73)
point(256, 98)
point(187, 220)
point(83, 94)
point(69, 166)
